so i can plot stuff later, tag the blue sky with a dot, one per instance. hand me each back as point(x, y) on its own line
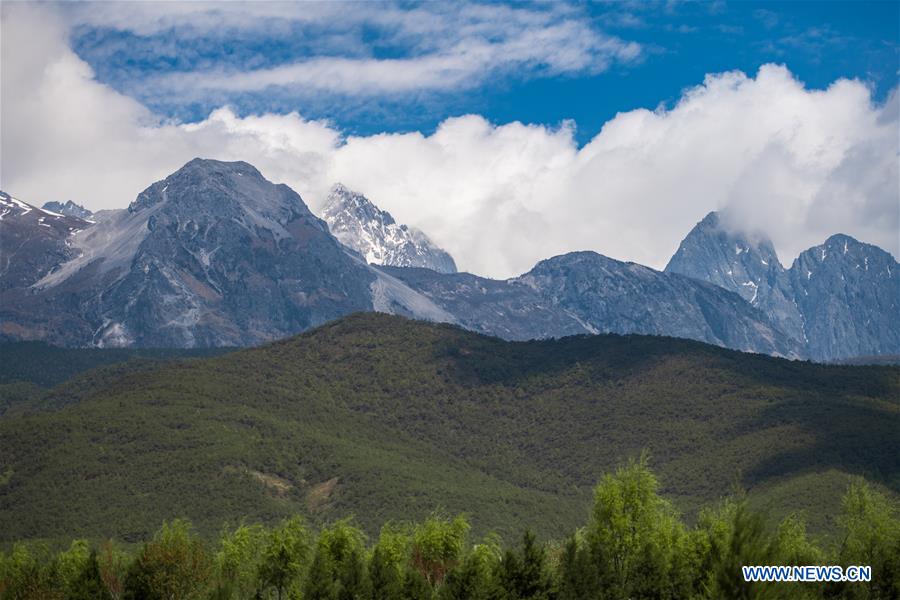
point(604, 58)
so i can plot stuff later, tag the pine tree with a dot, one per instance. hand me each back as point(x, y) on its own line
point(578, 573)
point(523, 575)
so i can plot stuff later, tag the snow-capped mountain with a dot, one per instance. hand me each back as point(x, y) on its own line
point(33, 241)
point(840, 299)
point(360, 225)
point(68, 208)
point(217, 255)
point(212, 255)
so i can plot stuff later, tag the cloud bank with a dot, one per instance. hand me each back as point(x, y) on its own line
point(800, 164)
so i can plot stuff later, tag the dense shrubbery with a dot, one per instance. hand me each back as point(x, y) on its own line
point(634, 546)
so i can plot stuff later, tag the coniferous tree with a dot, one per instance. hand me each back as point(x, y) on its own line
point(735, 537)
point(474, 578)
point(522, 575)
point(577, 573)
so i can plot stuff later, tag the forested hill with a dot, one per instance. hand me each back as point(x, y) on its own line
point(387, 418)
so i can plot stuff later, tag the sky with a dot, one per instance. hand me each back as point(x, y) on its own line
point(509, 133)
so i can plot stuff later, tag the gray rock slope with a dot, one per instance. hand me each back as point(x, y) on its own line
point(213, 255)
point(838, 300)
point(744, 264)
point(849, 295)
point(585, 292)
point(33, 241)
point(360, 225)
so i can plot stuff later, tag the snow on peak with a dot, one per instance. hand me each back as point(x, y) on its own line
point(371, 232)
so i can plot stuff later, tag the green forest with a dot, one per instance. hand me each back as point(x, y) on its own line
point(378, 457)
point(634, 545)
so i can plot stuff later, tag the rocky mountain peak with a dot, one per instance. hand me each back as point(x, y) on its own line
point(68, 208)
point(374, 234)
point(212, 191)
point(742, 262)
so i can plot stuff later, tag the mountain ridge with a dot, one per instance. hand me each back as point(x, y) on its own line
point(834, 319)
point(216, 255)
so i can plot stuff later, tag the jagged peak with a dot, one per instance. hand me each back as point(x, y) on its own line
point(342, 199)
point(841, 244)
point(69, 208)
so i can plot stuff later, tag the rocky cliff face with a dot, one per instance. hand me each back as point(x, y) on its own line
point(213, 255)
point(360, 225)
point(216, 255)
point(33, 241)
point(68, 208)
point(849, 295)
point(611, 296)
point(839, 300)
point(744, 264)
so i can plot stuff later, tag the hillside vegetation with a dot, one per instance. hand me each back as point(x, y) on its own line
point(633, 546)
point(387, 419)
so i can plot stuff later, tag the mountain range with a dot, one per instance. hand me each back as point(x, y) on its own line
point(216, 255)
point(838, 300)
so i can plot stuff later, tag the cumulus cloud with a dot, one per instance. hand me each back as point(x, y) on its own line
point(800, 164)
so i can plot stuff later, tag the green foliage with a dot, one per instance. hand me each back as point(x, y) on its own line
point(46, 366)
point(637, 541)
point(633, 547)
point(475, 578)
point(89, 583)
point(388, 563)
point(357, 417)
point(416, 587)
point(523, 575)
point(285, 557)
point(578, 576)
point(871, 536)
point(72, 563)
point(437, 546)
point(30, 574)
point(735, 536)
point(338, 570)
point(239, 561)
point(174, 565)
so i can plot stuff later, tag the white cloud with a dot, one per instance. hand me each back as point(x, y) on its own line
point(443, 46)
point(799, 163)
